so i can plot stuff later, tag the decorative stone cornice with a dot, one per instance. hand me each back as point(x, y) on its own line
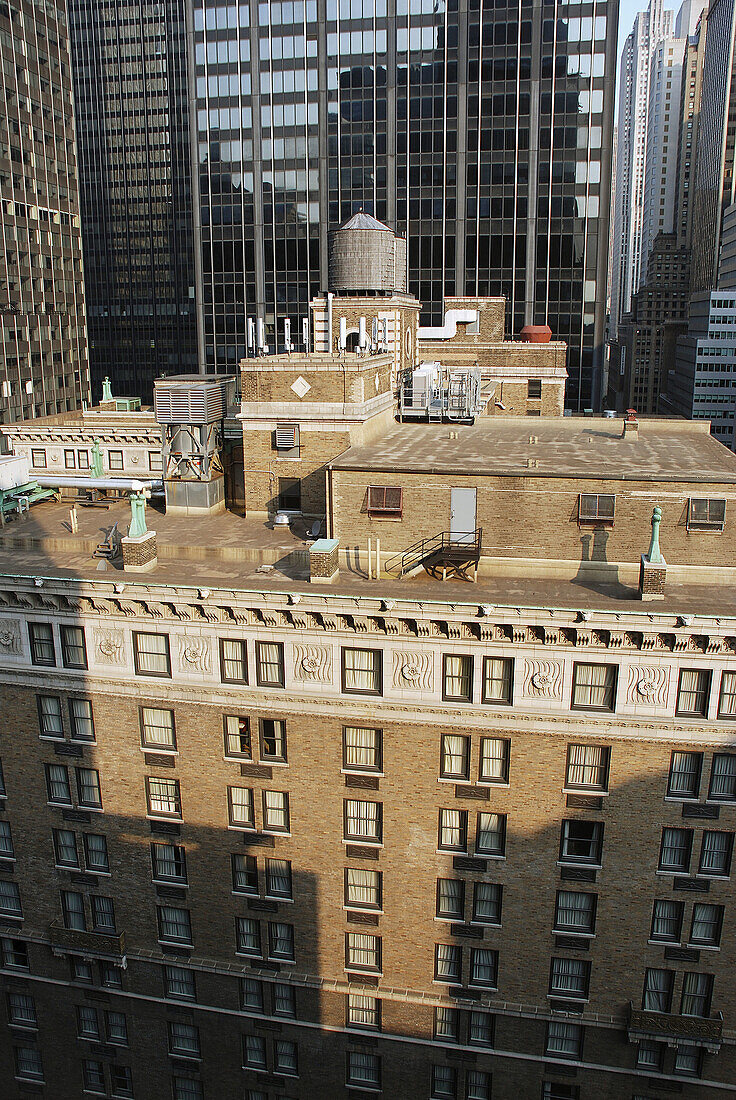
point(365, 617)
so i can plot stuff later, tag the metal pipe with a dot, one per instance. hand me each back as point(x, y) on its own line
point(378, 559)
point(56, 481)
point(370, 559)
point(330, 296)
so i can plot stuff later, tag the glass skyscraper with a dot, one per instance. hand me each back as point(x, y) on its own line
point(482, 132)
point(130, 69)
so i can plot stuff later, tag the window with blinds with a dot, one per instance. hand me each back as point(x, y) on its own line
point(587, 767)
point(497, 680)
point(157, 728)
point(361, 749)
point(362, 820)
point(450, 899)
point(233, 661)
point(49, 716)
point(693, 692)
point(151, 654)
point(594, 686)
point(684, 776)
point(384, 500)
point(457, 682)
point(666, 920)
point(575, 911)
point(727, 697)
point(240, 805)
point(675, 850)
point(495, 755)
point(362, 671)
point(362, 888)
point(569, 977)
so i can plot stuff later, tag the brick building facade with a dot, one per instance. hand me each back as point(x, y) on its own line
point(235, 935)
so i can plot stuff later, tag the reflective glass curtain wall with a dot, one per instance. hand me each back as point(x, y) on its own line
point(132, 104)
point(482, 131)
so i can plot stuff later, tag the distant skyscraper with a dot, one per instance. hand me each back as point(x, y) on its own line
point(43, 344)
point(714, 186)
point(485, 138)
point(130, 76)
point(650, 27)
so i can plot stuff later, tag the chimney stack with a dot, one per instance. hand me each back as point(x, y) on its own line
point(631, 425)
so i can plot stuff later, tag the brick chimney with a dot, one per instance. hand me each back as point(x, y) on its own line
point(631, 425)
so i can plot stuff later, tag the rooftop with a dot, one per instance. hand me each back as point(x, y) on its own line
point(581, 447)
point(225, 551)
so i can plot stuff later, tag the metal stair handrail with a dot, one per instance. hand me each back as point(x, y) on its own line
point(420, 551)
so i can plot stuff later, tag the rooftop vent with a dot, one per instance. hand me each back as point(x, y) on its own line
point(191, 399)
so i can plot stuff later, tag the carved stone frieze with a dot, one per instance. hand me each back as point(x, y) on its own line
point(313, 662)
point(543, 679)
point(647, 685)
point(413, 670)
point(10, 636)
point(194, 653)
point(110, 646)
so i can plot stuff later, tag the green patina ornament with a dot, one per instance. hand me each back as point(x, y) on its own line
point(654, 557)
point(137, 516)
point(97, 469)
point(106, 390)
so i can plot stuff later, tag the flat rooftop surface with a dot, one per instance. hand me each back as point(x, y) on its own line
point(227, 551)
point(581, 447)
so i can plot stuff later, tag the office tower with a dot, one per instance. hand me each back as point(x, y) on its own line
point(702, 381)
point(650, 27)
point(43, 340)
point(129, 64)
point(644, 351)
point(485, 140)
point(663, 116)
point(714, 184)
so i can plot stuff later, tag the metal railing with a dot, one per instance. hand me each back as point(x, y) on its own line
point(435, 547)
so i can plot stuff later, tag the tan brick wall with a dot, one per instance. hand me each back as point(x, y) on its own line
point(352, 380)
point(515, 398)
point(633, 815)
point(534, 517)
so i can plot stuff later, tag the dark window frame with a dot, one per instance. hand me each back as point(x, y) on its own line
point(588, 861)
point(151, 634)
point(33, 642)
point(706, 692)
point(485, 699)
point(244, 660)
point(152, 745)
point(282, 672)
point(244, 718)
point(379, 502)
point(372, 768)
point(613, 687)
point(378, 668)
point(64, 627)
point(277, 758)
point(588, 514)
point(468, 661)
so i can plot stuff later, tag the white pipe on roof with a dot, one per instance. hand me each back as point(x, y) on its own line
point(56, 481)
point(449, 328)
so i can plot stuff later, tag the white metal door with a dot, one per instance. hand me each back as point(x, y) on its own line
point(462, 514)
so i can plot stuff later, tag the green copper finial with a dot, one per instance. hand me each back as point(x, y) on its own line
point(137, 516)
point(106, 390)
point(97, 470)
point(655, 554)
